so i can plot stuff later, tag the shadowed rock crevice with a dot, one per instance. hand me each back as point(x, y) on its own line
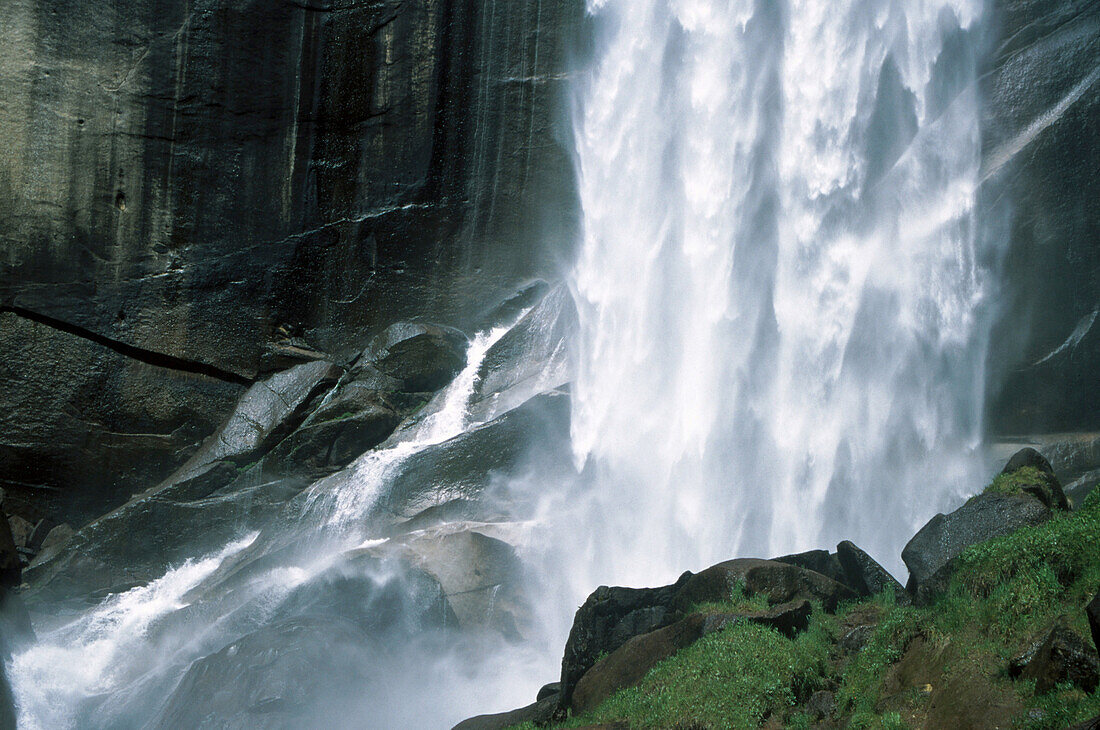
point(149, 357)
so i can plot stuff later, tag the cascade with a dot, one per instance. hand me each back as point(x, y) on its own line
point(779, 288)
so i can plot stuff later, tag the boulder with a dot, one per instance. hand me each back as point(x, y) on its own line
point(628, 664)
point(608, 619)
point(480, 577)
point(269, 411)
point(820, 561)
point(929, 554)
point(539, 713)
point(422, 357)
point(612, 616)
point(864, 575)
point(11, 570)
point(1059, 656)
point(345, 426)
point(381, 595)
point(21, 530)
point(549, 690)
point(1093, 612)
point(779, 582)
point(1029, 472)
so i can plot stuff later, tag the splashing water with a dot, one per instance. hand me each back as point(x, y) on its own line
point(781, 321)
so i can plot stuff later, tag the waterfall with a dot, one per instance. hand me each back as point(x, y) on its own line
point(780, 291)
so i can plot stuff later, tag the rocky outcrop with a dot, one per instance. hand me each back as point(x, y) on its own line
point(540, 712)
point(865, 576)
point(627, 665)
point(197, 195)
point(930, 552)
point(1059, 656)
point(1042, 110)
point(1030, 472)
point(610, 617)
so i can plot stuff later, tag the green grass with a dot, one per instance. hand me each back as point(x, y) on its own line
point(1005, 593)
point(1015, 482)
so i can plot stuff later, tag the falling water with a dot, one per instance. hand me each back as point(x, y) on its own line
point(781, 310)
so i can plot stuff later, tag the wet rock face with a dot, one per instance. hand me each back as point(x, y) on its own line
point(1042, 118)
point(237, 184)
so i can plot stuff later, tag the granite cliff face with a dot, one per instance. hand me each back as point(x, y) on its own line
point(1043, 203)
point(194, 194)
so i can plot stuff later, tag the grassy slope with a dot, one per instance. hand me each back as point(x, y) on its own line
point(942, 665)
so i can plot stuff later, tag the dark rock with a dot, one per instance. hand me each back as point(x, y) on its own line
point(628, 664)
point(480, 577)
point(82, 427)
point(280, 182)
point(382, 595)
point(608, 619)
point(820, 561)
point(854, 640)
point(929, 554)
point(21, 530)
point(821, 704)
point(1093, 612)
point(1028, 457)
point(540, 713)
point(1044, 485)
point(456, 510)
point(11, 570)
point(202, 482)
point(422, 357)
point(779, 582)
point(549, 690)
point(464, 466)
point(612, 616)
point(1040, 186)
point(342, 429)
point(55, 541)
point(1059, 656)
point(866, 576)
point(267, 413)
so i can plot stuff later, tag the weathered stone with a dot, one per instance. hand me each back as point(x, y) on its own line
point(820, 561)
point(541, 712)
point(21, 530)
point(1045, 486)
point(549, 690)
point(628, 664)
point(422, 357)
point(866, 576)
point(929, 553)
point(244, 186)
point(1059, 656)
point(11, 569)
point(608, 619)
point(779, 582)
point(1040, 187)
